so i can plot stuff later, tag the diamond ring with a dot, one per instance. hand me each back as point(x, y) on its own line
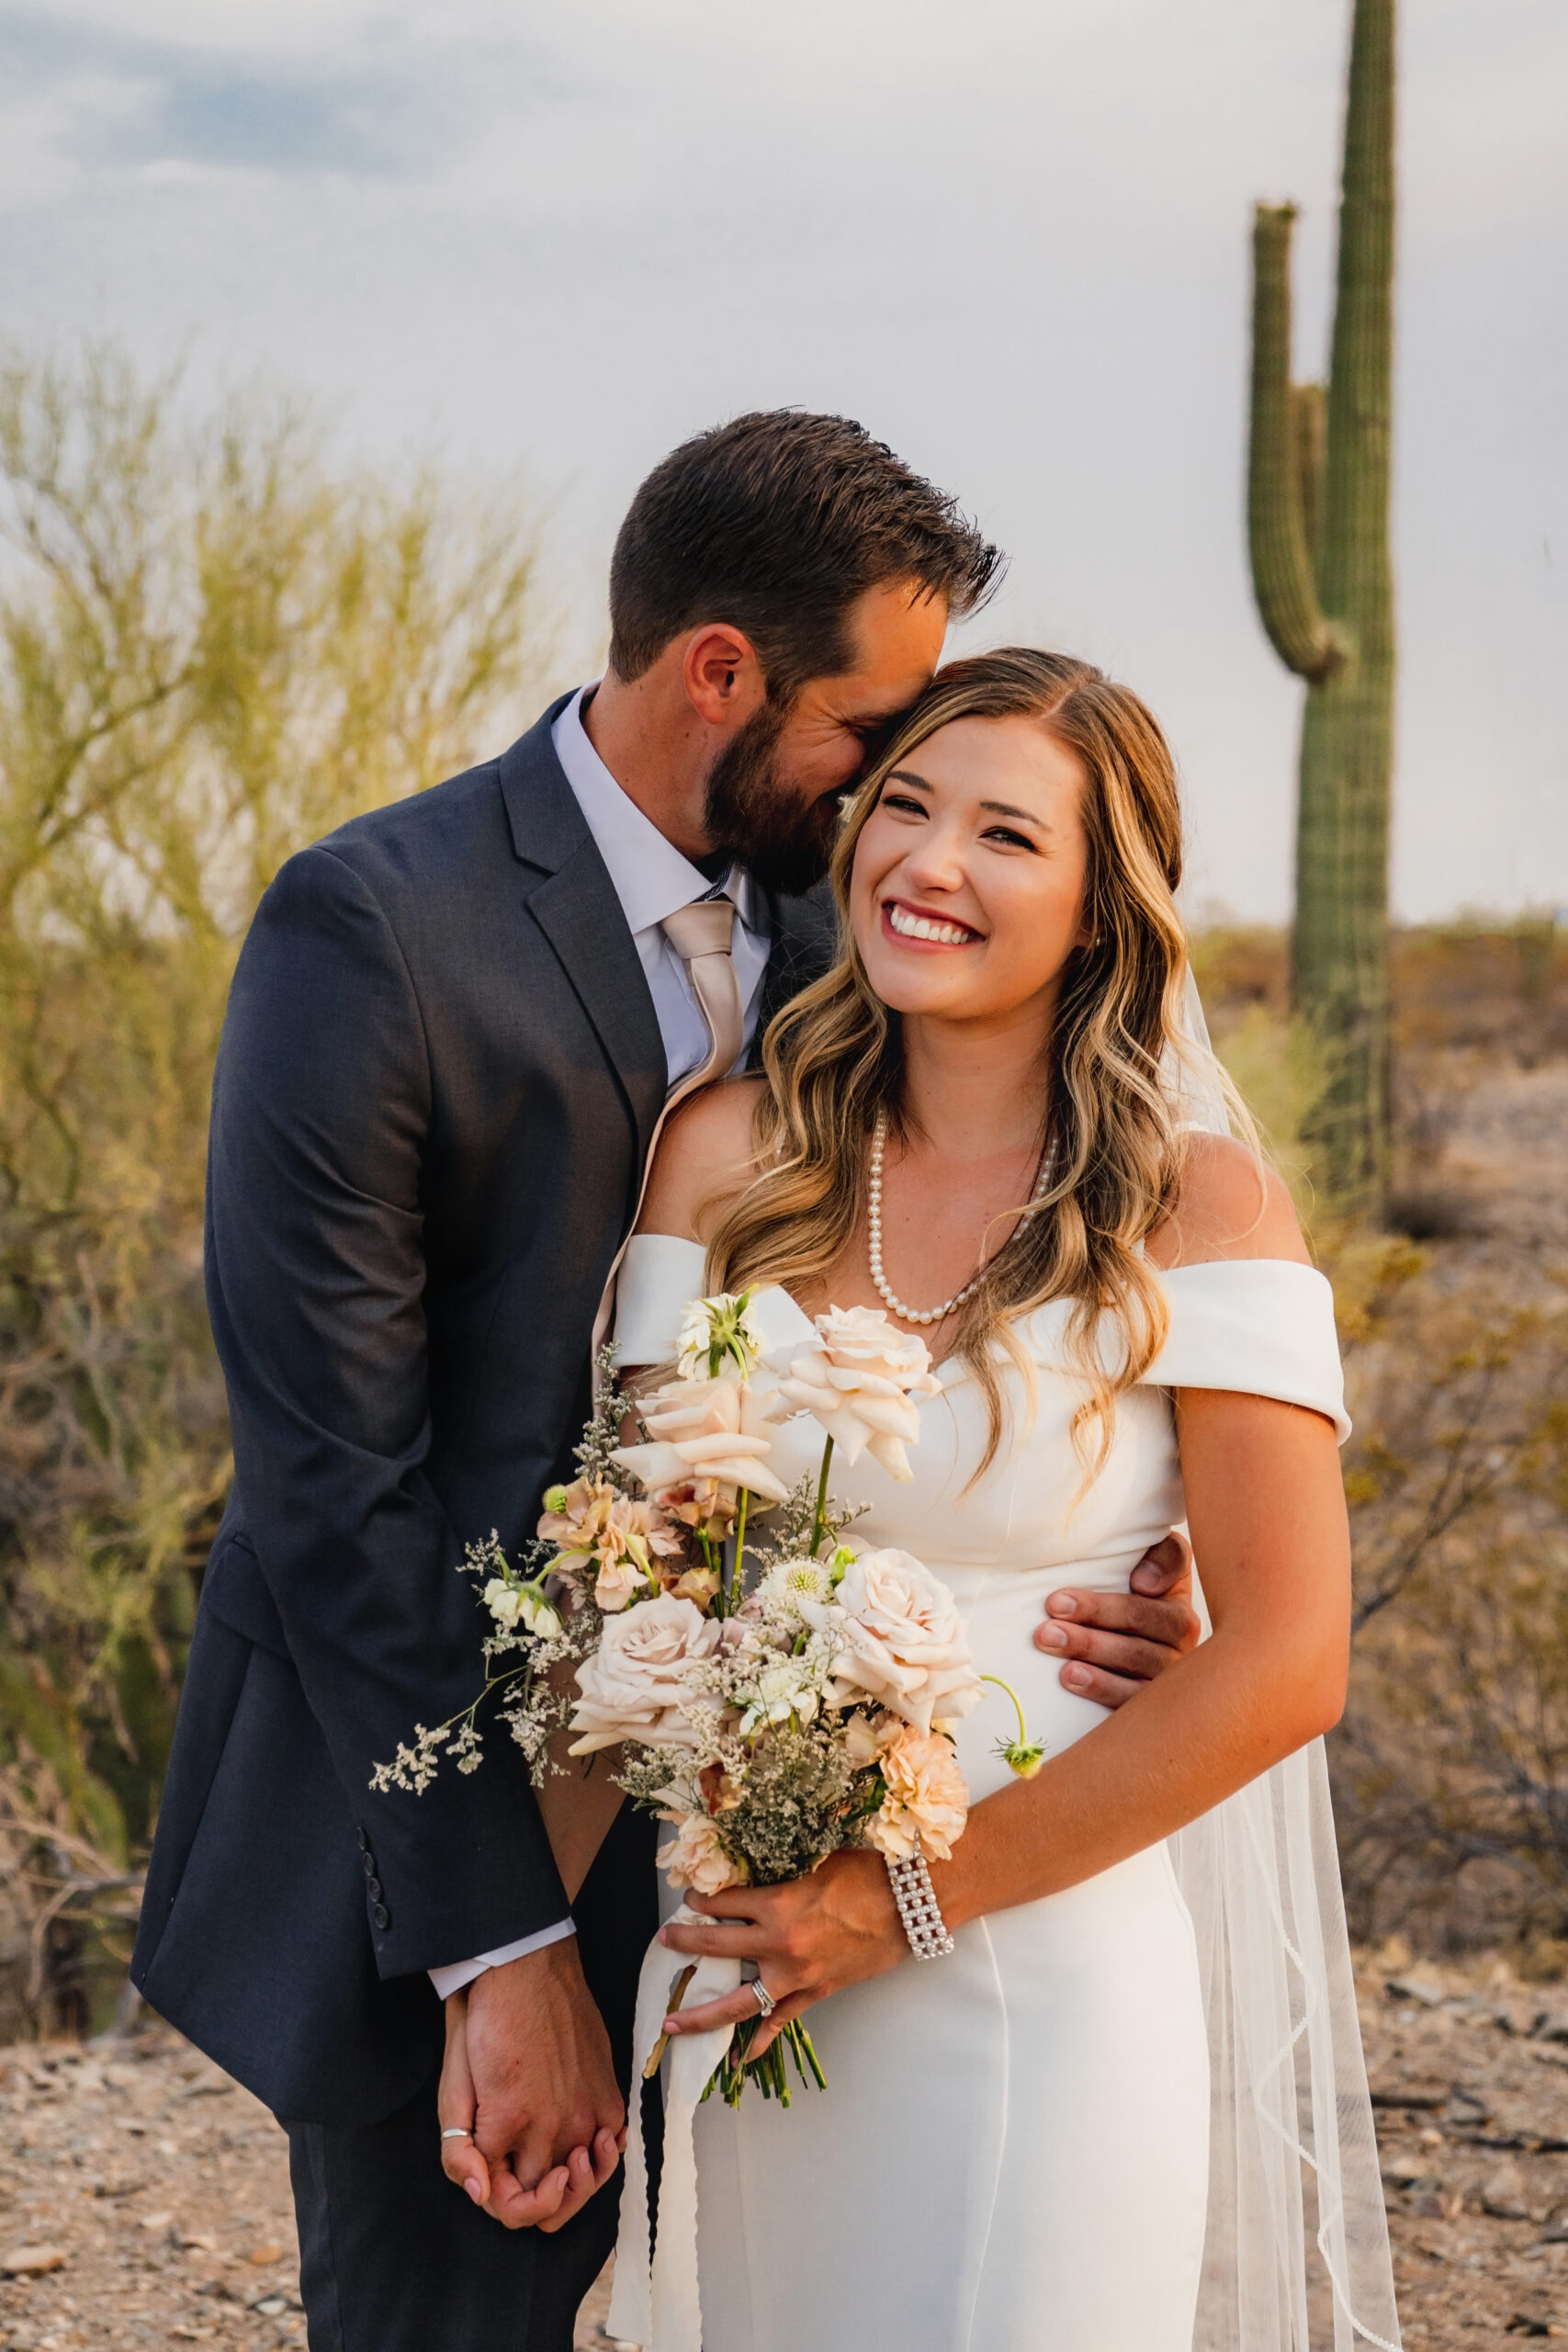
point(766, 2001)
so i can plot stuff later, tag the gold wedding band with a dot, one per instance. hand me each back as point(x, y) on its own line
point(457, 2131)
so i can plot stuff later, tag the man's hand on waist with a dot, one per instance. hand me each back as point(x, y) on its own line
point(1113, 1645)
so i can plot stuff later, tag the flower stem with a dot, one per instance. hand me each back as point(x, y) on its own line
point(803, 2041)
point(745, 1504)
point(1017, 1708)
point(819, 1520)
point(1023, 1756)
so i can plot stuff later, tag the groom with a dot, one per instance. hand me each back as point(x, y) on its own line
point(452, 1031)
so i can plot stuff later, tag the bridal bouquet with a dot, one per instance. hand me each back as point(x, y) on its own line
point(773, 1702)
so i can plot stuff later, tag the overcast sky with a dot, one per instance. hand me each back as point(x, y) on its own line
point(1010, 235)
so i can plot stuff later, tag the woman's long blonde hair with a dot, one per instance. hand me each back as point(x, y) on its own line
point(834, 1058)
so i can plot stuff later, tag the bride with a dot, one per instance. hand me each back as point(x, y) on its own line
point(1083, 2130)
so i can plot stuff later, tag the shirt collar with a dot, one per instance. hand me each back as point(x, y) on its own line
point(651, 878)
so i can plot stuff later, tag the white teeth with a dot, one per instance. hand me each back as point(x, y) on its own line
point(946, 934)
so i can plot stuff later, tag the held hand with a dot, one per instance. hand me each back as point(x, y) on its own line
point(547, 2116)
point(456, 2107)
point(1116, 1642)
point(809, 1938)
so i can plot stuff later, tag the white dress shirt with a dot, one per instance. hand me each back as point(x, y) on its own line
point(652, 880)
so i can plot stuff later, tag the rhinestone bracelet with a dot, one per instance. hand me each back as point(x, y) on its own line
point(918, 1907)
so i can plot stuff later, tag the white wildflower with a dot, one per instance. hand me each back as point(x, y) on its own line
point(717, 1331)
point(521, 1605)
point(788, 1687)
point(790, 1584)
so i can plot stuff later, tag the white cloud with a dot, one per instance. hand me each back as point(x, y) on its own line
point(1011, 236)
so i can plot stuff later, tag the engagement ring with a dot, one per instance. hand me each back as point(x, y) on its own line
point(766, 2001)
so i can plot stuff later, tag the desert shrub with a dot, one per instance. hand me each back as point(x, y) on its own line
point(215, 644)
point(1452, 1766)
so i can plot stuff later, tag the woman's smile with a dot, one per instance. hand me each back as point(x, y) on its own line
point(918, 927)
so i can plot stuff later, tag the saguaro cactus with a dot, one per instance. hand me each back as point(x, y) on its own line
point(1318, 533)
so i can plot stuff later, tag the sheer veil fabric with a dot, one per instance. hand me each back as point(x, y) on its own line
point(1296, 2254)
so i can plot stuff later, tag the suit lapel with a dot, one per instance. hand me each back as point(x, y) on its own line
point(572, 899)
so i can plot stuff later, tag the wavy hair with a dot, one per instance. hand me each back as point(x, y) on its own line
point(1109, 1107)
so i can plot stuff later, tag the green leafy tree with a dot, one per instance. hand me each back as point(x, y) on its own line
point(214, 647)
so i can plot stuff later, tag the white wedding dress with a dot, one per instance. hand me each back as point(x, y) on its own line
point(1014, 2153)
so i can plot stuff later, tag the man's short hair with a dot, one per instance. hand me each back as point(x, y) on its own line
point(776, 523)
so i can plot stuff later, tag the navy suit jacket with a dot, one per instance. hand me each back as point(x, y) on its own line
point(438, 1077)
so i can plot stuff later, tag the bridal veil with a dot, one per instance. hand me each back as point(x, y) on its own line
point(1296, 2253)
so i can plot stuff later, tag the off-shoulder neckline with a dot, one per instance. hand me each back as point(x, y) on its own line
point(1195, 1266)
point(1187, 1266)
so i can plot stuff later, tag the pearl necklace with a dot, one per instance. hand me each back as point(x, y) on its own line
point(935, 1314)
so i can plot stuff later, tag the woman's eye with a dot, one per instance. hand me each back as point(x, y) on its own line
point(903, 802)
point(1006, 834)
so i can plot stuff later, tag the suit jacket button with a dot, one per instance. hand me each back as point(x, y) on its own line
point(381, 1915)
point(369, 1859)
point(373, 1889)
point(363, 1841)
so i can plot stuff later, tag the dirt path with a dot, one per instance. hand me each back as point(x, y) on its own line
point(144, 2201)
point(1470, 2073)
point(157, 2191)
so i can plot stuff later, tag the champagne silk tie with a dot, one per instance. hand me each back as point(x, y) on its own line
point(702, 935)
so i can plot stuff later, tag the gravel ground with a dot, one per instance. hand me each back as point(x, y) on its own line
point(144, 2200)
point(145, 2196)
point(1470, 2080)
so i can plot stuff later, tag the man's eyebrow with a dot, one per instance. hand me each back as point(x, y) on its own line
point(877, 722)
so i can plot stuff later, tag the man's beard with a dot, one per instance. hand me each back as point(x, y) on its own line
point(753, 813)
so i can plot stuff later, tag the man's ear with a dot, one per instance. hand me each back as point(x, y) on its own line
point(722, 676)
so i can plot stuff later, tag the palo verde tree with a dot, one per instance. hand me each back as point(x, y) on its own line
point(1318, 533)
point(216, 643)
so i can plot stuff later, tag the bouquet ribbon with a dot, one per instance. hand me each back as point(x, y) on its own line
point(656, 2302)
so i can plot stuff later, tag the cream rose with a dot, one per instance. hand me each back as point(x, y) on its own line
point(926, 1803)
point(707, 1434)
point(901, 1640)
point(859, 1382)
point(633, 1684)
point(695, 1857)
